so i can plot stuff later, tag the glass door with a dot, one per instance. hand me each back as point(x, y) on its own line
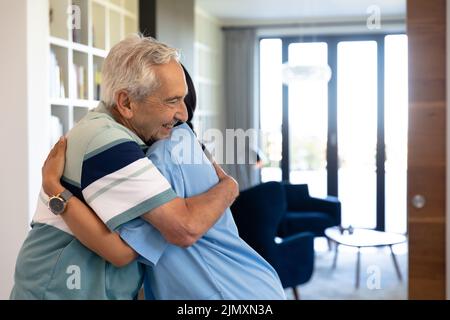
point(271, 108)
point(308, 114)
point(357, 132)
point(396, 128)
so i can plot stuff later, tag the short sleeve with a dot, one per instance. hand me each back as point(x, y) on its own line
point(119, 182)
point(145, 239)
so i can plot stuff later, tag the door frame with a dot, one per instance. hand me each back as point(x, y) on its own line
point(447, 262)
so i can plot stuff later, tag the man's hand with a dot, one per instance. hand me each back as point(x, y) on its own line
point(223, 176)
point(53, 168)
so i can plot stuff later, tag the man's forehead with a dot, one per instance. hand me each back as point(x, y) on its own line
point(171, 78)
point(172, 68)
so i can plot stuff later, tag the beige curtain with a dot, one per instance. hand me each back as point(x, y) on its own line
point(241, 96)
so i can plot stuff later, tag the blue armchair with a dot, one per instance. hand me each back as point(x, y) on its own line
point(306, 213)
point(258, 212)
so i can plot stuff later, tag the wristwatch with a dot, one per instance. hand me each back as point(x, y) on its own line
point(57, 204)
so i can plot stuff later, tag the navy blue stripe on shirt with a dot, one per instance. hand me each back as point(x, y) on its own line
point(109, 161)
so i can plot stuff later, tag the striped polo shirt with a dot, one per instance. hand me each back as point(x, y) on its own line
point(106, 167)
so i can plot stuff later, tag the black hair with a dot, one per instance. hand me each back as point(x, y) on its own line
point(190, 101)
point(191, 98)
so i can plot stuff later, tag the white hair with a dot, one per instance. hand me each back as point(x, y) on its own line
point(128, 66)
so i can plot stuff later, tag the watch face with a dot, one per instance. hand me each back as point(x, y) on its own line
point(56, 205)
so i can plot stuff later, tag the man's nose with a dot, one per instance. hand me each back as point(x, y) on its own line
point(182, 114)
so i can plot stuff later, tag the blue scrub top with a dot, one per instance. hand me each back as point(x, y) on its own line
point(220, 265)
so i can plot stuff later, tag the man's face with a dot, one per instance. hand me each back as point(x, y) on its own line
point(155, 117)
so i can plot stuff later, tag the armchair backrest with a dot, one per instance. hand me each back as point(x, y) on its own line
point(308, 213)
point(297, 195)
point(258, 212)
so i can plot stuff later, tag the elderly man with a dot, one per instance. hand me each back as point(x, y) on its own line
point(142, 99)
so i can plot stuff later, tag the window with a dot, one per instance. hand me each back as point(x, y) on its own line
point(346, 137)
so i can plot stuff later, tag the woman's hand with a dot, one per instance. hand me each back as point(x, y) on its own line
point(53, 168)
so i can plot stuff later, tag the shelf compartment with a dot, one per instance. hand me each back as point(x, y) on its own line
point(98, 65)
point(58, 73)
point(115, 27)
point(130, 26)
point(58, 19)
point(63, 114)
point(79, 76)
point(98, 26)
point(80, 35)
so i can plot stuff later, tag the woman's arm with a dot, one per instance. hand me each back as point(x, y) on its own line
point(82, 221)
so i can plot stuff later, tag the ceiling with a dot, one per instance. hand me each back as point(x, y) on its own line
point(231, 12)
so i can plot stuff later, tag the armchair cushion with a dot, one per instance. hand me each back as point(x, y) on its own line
point(306, 221)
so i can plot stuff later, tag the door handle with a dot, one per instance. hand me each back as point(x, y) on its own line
point(418, 201)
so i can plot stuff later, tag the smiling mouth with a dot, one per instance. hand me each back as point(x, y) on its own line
point(169, 126)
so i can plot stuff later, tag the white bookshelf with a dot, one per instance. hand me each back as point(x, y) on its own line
point(76, 56)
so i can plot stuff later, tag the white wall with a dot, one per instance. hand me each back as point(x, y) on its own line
point(209, 72)
point(13, 129)
point(199, 37)
point(23, 91)
point(37, 93)
point(175, 26)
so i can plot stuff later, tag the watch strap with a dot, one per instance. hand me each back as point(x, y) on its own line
point(66, 195)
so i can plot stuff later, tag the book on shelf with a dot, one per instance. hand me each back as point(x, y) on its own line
point(94, 42)
point(97, 82)
point(56, 83)
point(79, 81)
point(76, 37)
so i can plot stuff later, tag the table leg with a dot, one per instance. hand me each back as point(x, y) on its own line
point(336, 245)
point(397, 268)
point(358, 267)
point(329, 243)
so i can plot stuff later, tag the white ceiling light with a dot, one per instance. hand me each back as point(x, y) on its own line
point(297, 73)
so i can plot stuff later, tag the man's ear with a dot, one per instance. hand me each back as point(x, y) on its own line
point(123, 104)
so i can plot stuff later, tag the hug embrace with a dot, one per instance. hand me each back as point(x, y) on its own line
point(120, 209)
